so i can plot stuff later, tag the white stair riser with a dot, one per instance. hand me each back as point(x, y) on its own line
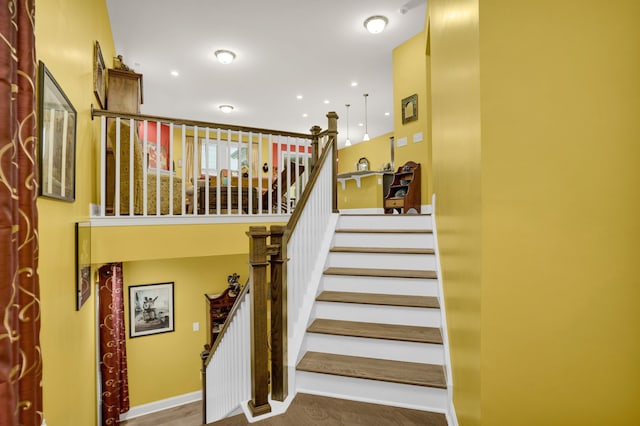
point(419, 397)
point(380, 285)
point(375, 348)
point(385, 222)
point(379, 314)
point(352, 239)
point(424, 262)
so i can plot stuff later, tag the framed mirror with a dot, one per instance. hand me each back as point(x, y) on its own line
point(57, 139)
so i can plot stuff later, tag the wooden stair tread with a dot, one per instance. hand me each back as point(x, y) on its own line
point(387, 273)
point(385, 250)
point(406, 333)
point(379, 299)
point(383, 231)
point(411, 373)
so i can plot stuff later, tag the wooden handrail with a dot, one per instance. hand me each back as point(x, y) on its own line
point(121, 114)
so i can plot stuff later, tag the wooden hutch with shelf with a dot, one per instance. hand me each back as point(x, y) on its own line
point(219, 306)
point(404, 193)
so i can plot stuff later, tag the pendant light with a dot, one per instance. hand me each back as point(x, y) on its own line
point(366, 129)
point(348, 142)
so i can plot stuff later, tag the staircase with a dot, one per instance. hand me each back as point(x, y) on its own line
point(375, 328)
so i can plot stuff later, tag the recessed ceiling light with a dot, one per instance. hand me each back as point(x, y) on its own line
point(387, 113)
point(175, 73)
point(354, 83)
point(299, 97)
point(305, 115)
point(360, 124)
point(326, 101)
point(225, 56)
point(226, 108)
point(376, 24)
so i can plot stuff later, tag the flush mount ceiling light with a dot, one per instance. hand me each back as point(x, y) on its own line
point(225, 56)
point(226, 108)
point(376, 24)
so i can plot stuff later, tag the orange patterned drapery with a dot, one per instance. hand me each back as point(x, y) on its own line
point(20, 355)
point(113, 352)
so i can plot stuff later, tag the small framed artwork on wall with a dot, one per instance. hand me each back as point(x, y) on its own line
point(409, 109)
point(99, 76)
point(151, 309)
point(83, 263)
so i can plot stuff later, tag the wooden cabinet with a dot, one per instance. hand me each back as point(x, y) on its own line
point(218, 307)
point(124, 91)
point(404, 194)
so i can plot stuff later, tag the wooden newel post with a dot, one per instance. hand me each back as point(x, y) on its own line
point(332, 130)
point(279, 357)
point(259, 403)
point(315, 153)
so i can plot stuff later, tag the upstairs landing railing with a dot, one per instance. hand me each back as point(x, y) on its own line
point(236, 371)
point(157, 166)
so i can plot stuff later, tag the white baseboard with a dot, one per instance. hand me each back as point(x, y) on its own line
point(164, 404)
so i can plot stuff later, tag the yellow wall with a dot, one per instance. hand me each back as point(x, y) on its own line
point(409, 69)
point(455, 73)
point(157, 368)
point(369, 195)
point(561, 167)
point(65, 32)
point(130, 243)
point(535, 165)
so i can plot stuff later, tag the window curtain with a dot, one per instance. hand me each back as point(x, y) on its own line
point(20, 354)
point(256, 168)
point(113, 352)
point(188, 162)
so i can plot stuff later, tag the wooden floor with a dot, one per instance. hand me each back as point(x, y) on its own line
point(184, 415)
point(305, 410)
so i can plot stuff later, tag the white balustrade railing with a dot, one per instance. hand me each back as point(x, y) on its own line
point(228, 371)
point(228, 367)
point(158, 167)
point(306, 243)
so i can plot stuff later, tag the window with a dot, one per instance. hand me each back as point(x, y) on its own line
point(217, 155)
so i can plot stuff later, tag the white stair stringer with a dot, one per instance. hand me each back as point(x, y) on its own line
point(297, 329)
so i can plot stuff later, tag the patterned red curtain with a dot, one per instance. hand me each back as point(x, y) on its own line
point(20, 356)
point(113, 352)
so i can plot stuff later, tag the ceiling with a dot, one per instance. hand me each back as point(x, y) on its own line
point(284, 48)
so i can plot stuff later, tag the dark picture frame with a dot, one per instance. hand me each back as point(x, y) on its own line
point(409, 109)
point(151, 309)
point(83, 263)
point(57, 122)
point(99, 76)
